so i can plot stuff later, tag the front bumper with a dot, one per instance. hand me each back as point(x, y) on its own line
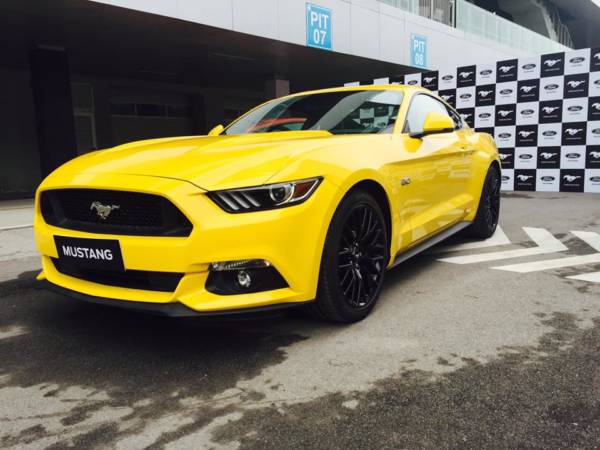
point(172, 309)
point(291, 239)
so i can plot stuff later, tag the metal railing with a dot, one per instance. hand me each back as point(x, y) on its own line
point(563, 35)
point(439, 10)
point(479, 22)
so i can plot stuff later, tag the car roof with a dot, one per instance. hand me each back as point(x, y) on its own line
point(370, 87)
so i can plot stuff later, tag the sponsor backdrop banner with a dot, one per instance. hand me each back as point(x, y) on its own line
point(544, 113)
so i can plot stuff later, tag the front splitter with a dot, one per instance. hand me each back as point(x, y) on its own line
point(173, 309)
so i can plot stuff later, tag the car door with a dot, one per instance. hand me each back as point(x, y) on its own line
point(439, 170)
point(468, 143)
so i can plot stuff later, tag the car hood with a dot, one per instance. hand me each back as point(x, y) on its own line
point(209, 162)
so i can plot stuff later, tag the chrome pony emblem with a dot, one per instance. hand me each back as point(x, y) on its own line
point(103, 211)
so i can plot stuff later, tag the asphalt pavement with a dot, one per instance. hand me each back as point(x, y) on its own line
point(478, 352)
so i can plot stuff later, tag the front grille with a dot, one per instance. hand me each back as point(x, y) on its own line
point(131, 213)
point(132, 279)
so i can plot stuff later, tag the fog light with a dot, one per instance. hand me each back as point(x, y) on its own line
point(239, 265)
point(244, 279)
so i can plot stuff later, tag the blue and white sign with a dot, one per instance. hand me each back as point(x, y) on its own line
point(318, 27)
point(418, 51)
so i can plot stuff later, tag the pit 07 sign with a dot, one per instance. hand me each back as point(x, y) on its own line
point(318, 27)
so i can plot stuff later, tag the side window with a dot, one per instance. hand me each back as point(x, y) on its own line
point(420, 106)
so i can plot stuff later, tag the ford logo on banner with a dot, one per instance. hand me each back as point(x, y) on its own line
point(465, 96)
point(486, 72)
point(595, 179)
point(575, 108)
point(549, 133)
point(548, 178)
point(596, 131)
point(447, 77)
point(506, 91)
point(573, 155)
point(529, 66)
point(506, 178)
point(527, 112)
point(504, 135)
point(577, 60)
point(412, 82)
point(526, 156)
point(551, 87)
point(485, 115)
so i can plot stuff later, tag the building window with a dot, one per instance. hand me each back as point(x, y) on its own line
point(82, 95)
point(123, 108)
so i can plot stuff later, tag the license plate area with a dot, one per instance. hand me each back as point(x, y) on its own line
point(104, 254)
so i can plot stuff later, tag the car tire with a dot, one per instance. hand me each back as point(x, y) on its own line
point(354, 260)
point(488, 212)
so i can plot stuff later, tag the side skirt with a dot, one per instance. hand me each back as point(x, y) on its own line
point(430, 242)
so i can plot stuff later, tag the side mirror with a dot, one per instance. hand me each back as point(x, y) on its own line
point(435, 123)
point(216, 130)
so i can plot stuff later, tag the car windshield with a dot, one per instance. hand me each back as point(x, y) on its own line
point(347, 112)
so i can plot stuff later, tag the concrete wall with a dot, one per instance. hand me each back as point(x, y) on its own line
point(20, 164)
point(360, 27)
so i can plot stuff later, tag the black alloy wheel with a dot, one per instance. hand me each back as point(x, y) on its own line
point(492, 201)
point(354, 261)
point(361, 256)
point(488, 213)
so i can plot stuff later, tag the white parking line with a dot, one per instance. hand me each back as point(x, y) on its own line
point(499, 238)
point(16, 227)
point(593, 277)
point(590, 238)
point(546, 242)
point(552, 264)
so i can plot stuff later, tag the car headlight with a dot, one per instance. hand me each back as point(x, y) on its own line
point(269, 196)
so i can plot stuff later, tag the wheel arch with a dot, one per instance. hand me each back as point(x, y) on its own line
point(477, 186)
point(378, 192)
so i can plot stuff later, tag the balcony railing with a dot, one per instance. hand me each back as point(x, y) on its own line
point(479, 22)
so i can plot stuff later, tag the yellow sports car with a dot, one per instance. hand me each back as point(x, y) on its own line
point(307, 199)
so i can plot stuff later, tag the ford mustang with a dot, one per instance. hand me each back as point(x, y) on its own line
point(305, 200)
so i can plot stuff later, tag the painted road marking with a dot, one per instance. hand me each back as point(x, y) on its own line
point(551, 264)
point(499, 238)
point(590, 238)
point(16, 227)
point(546, 243)
point(591, 277)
